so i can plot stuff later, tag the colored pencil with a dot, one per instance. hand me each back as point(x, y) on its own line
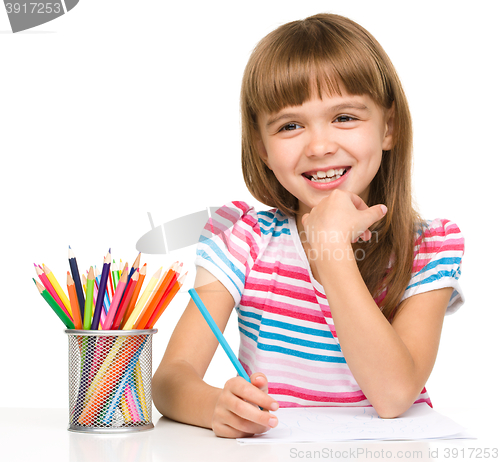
point(135, 295)
point(116, 276)
point(73, 299)
point(215, 329)
point(87, 319)
point(153, 302)
point(111, 287)
point(147, 315)
point(58, 289)
point(102, 291)
point(142, 301)
point(135, 266)
point(116, 300)
point(125, 301)
point(53, 304)
point(75, 273)
point(162, 307)
point(46, 283)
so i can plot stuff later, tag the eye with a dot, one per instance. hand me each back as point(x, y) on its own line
point(344, 118)
point(289, 127)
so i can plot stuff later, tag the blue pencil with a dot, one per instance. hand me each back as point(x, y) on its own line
point(218, 334)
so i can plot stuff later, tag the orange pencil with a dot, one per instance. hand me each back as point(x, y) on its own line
point(159, 311)
point(153, 301)
point(73, 299)
point(135, 295)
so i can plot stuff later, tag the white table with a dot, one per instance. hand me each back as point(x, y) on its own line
point(32, 435)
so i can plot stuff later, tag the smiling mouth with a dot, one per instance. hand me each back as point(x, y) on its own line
point(326, 177)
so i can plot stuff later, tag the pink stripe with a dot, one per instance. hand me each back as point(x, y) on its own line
point(280, 269)
point(285, 290)
point(282, 309)
point(310, 395)
point(287, 404)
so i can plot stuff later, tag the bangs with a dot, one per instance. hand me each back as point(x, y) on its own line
point(312, 60)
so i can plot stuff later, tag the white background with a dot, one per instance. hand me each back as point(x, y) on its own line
point(123, 107)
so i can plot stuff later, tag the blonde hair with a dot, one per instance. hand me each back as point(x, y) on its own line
point(318, 55)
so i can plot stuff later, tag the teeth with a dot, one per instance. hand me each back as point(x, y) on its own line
point(324, 177)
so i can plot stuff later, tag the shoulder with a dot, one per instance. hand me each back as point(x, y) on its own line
point(437, 263)
point(440, 238)
point(240, 215)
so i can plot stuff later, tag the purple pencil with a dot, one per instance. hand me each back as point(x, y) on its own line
point(102, 290)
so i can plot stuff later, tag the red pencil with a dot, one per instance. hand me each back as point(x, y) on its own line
point(135, 295)
point(125, 301)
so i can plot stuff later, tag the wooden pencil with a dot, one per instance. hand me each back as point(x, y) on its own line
point(102, 290)
point(159, 311)
point(73, 299)
point(75, 273)
point(142, 301)
point(57, 288)
point(46, 283)
point(125, 301)
point(135, 295)
point(87, 319)
point(116, 299)
point(153, 302)
point(53, 304)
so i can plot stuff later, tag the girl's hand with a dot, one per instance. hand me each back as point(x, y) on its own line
point(340, 219)
point(237, 414)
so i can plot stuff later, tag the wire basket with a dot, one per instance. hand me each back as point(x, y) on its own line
point(110, 380)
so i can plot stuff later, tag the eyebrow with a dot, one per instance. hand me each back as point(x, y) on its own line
point(338, 107)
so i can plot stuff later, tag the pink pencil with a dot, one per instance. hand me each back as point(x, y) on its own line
point(120, 287)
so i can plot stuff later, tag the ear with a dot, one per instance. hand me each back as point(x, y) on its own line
point(388, 140)
point(261, 149)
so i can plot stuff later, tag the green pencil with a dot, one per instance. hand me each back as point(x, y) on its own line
point(89, 298)
point(115, 275)
point(53, 304)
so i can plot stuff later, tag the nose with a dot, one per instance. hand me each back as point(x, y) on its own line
point(321, 142)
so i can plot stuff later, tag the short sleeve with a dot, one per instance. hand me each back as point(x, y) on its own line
point(229, 244)
point(439, 250)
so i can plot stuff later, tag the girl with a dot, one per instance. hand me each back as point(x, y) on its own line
point(341, 288)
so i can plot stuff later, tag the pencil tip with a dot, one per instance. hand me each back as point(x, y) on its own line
point(69, 246)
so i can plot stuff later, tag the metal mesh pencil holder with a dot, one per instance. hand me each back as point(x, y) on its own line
point(110, 380)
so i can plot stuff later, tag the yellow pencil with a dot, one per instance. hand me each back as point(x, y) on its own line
point(142, 301)
point(58, 289)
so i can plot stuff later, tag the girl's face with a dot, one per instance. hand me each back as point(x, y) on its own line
point(324, 144)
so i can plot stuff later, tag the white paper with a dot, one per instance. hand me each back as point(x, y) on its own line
point(313, 424)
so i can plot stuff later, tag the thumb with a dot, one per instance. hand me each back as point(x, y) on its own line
point(259, 380)
point(377, 212)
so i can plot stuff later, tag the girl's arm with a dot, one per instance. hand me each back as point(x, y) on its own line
point(390, 362)
point(179, 391)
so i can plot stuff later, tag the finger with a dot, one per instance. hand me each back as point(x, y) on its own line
point(358, 202)
point(252, 393)
point(247, 412)
point(260, 381)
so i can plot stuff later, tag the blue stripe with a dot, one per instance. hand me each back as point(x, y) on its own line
point(293, 341)
point(207, 257)
point(435, 277)
point(286, 325)
point(289, 352)
point(441, 261)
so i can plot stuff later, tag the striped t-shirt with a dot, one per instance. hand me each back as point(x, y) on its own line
point(285, 323)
